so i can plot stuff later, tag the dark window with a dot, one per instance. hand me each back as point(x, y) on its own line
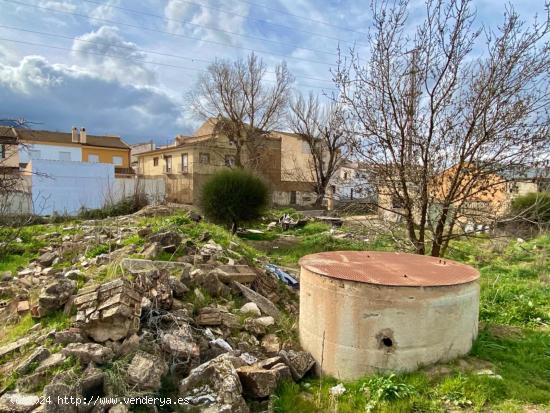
point(168, 160)
point(293, 197)
point(396, 202)
point(155, 161)
point(204, 158)
point(229, 160)
point(2, 151)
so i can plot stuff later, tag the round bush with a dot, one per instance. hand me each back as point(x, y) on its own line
point(232, 196)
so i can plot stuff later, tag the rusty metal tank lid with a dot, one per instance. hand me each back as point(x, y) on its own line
point(389, 268)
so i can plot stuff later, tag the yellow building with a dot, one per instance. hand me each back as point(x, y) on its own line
point(76, 146)
point(190, 160)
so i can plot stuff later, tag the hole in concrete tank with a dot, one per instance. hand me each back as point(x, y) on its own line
point(388, 342)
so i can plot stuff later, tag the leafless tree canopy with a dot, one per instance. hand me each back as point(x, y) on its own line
point(325, 132)
point(442, 111)
point(245, 103)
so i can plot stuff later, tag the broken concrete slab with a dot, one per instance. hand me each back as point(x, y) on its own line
point(299, 362)
point(265, 305)
point(146, 370)
point(236, 272)
point(109, 311)
point(89, 352)
point(39, 354)
point(55, 295)
point(134, 265)
point(215, 386)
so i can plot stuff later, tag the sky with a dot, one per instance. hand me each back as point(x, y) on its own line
point(123, 67)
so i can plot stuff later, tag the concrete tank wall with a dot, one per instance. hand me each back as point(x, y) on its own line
point(354, 328)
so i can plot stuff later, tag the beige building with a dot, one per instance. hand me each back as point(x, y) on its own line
point(190, 160)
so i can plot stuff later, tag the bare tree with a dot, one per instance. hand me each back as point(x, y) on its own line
point(245, 106)
point(326, 135)
point(439, 120)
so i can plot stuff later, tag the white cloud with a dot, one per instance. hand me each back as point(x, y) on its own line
point(114, 58)
point(60, 96)
point(105, 11)
point(179, 12)
point(60, 5)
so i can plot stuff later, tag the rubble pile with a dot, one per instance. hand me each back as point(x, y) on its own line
point(207, 320)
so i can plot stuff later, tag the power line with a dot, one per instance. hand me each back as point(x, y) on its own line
point(263, 39)
point(260, 20)
point(169, 33)
point(193, 69)
point(302, 17)
point(193, 59)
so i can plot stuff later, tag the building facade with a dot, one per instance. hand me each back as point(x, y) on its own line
point(190, 160)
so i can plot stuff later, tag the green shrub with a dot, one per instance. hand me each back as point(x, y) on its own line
point(125, 207)
point(533, 207)
point(232, 196)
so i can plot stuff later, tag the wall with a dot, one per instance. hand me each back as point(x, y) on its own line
point(11, 159)
point(50, 152)
point(295, 159)
point(66, 187)
point(106, 155)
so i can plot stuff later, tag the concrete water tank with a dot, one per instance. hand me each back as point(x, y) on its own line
point(366, 312)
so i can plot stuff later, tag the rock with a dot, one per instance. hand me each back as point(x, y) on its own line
point(151, 251)
point(39, 354)
point(212, 284)
point(15, 402)
point(56, 394)
point(166, 238)
point(299, 362)
point(110, 311)
point(257, 382)
point(5, 276)
point(215, 386)
point(146, 370)
point(258, 326)
point(23, 307)
point(55, 295)
point(88, 352)
point(263, 303)
point(180, 343)
point(272, 225)
point(251, 308)
point(46, 259)
point(144, 232)
point(337, 390)
point(55, 360)
point(155, 285)
point(129, 345)
point(72, 335)
point(92, 382)
point(195, 217)
point(271, 344)
point(74, 275)
point(179, 289)
point(215, 316)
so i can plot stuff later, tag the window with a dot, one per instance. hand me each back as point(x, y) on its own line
point(229, 160)
point(156, 161)
point(34, 154)
point(2, 151)
point(184, 163)
point(117, 160)
point(168, 163)
point(64, 156)
point(93, 158)
point(204, 158)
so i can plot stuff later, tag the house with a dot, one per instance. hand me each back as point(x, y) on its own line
point(75, 146)
point(351, 182)
point(9, 154)
point(189, 161)
point(137, 148)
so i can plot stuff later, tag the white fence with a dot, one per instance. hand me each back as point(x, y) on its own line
point(63, 187)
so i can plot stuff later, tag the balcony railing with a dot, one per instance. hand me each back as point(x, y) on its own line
point(183, 169)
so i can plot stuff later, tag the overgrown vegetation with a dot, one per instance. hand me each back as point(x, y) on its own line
point(533, 208)
point(233, 196)
point(127, 206)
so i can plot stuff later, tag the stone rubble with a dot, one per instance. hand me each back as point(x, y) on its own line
point(184, 318)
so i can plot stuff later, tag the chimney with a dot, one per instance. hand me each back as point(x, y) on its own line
point(83, 135)
point(74, 135)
